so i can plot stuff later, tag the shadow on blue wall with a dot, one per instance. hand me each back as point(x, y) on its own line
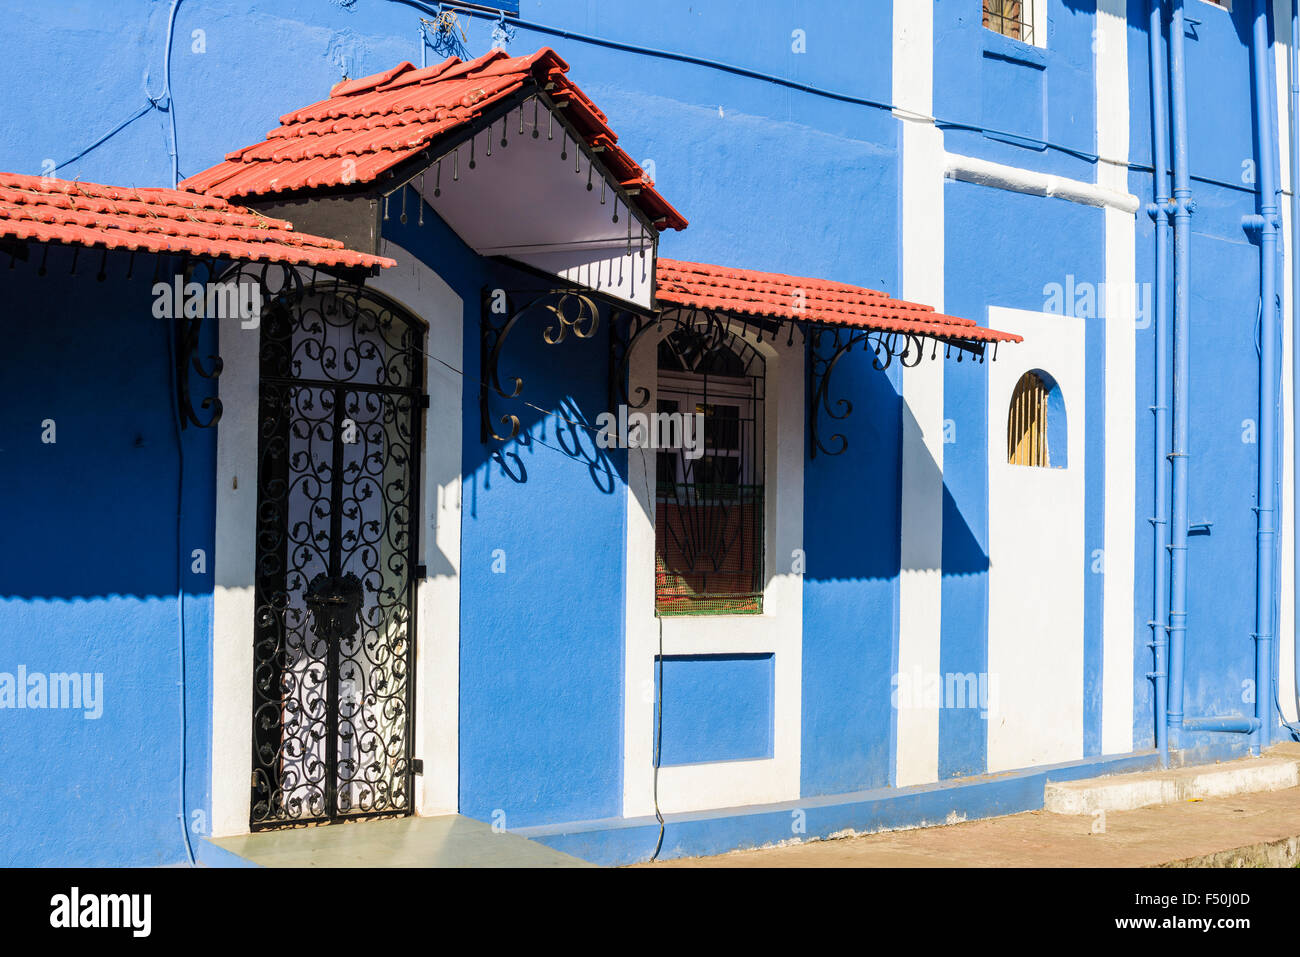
point(89, 571)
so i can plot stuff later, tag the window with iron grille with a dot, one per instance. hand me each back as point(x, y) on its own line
point(709, 500)
point(1027, 432)
point(1011, 18)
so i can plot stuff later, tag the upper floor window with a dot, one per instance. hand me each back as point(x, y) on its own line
point(709, 496)
point(1011, 18)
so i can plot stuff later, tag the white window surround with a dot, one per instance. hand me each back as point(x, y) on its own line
point(1038, 14)
point(1040, 23)
point(777, 631)
point(415, 287)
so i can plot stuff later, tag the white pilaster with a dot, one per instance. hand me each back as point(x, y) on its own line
point(921, 213)
point(1111, 44)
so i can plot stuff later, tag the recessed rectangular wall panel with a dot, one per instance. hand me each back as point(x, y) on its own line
point(716, 708)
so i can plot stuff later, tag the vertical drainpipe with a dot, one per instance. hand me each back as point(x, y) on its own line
point(1293, 115)
point(1159, 211)
point(1182, 204)
point(1265, 537)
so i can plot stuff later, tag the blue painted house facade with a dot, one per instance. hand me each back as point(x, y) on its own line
point(940, 621)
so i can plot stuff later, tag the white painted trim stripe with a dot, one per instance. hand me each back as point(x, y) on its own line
point(1120, 481)
point(920, 582)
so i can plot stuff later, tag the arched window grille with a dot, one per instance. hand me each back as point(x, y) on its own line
point(709, 497)
point(1027, 423)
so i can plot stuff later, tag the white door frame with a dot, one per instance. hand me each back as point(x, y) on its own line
point(414, 286)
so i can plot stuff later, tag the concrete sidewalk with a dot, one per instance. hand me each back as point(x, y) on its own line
point(1249, 830)
point(447, 841)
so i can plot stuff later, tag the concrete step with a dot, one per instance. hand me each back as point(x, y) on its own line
point(1125, 792)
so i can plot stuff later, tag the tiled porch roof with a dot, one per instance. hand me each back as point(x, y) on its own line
point(159, 221)
point(382, 120)
point(773, 295)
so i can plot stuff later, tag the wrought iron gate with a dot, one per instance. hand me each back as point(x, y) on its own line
point(340, 422)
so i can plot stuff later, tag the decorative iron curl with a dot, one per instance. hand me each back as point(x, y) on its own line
point(569, 312)
point(188, 332)
point(821, 367)
point(189, 328)
point(830, 344)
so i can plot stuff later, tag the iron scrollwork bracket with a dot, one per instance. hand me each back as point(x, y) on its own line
point(829, 344)
point(189, 328)
point(626, 329)
point(568, 312)
point(187, 346)
point(188, 332)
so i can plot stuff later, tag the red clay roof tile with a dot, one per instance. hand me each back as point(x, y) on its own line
point(159, 220)
point(381, 120)
point(776, 296)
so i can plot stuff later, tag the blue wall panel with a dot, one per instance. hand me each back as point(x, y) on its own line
point(716, 708)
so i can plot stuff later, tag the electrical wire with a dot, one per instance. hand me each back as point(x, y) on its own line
point(161, 102)
point(167, 93)
point(659, 685)
point(851, 98)
point(497, 17)
point(180, 579)
point(1277, 703)
point(151, 104)
point(659, 738)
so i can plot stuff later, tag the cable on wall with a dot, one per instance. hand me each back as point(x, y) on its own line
point(437, 12)
point(167, 92)
point(180, 580)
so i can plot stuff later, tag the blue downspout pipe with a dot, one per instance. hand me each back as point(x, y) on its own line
point(1266, 533)
point(1182, 206)
point(1182, 211)
point(1294, 114)
point(1159, 211)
